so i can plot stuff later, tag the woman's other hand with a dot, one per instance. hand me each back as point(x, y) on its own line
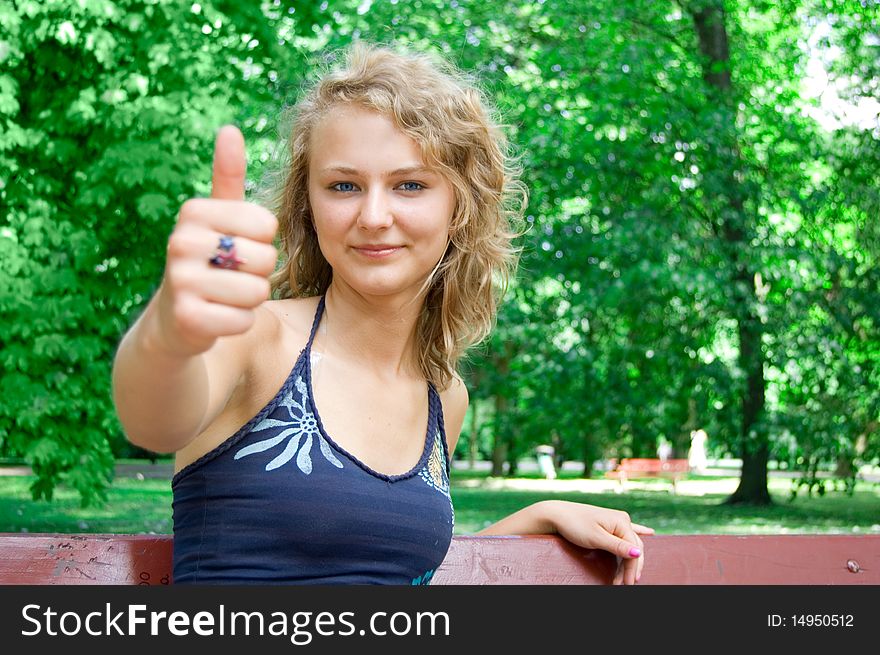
point(585, 525)
point(612, 530)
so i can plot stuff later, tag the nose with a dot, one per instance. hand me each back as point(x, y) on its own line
point(375, 211)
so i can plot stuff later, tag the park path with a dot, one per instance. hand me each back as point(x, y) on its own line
point(165, 469)
point(141, 471)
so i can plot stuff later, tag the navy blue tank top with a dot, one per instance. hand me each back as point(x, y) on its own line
point(279, 502)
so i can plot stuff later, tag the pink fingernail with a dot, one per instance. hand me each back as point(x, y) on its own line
point(635, 552)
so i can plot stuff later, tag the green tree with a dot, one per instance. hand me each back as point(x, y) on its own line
point(107, 115)
point(701, 251)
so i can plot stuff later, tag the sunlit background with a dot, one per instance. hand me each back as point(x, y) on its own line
point(702, 244)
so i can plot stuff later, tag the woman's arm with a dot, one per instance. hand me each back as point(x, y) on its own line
point(587, 526)
point(165, 399)
point(177, 367)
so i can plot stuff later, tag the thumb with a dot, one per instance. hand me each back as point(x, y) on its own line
point(230, 165)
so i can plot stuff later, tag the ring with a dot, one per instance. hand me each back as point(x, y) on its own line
point(224, 256)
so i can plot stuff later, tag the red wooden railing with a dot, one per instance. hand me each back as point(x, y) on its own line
point(57, 559)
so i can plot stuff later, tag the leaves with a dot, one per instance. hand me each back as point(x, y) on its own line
point(636, 272)
point(107, 116)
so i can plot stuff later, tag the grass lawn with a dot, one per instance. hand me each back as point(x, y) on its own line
point(144, 506)
point(134, 506)
point(696, 508)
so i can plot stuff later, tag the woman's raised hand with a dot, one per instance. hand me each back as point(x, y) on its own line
point(200, 301)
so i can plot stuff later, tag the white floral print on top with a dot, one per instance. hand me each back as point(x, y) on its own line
point(302, 426)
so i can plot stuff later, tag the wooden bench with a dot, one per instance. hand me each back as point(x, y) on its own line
point(86, 559)
point(630, 468)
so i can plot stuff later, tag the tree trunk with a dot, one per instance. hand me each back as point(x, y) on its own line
point(755, 442)
point(559, 456)
point(501, 442)
point(512, 463)
point(588, 457)
point(499, 448)
point(733, 227)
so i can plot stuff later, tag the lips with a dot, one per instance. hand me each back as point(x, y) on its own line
point(377, 249)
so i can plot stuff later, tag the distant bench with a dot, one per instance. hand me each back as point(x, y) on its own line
point(75, 559)
point(672, 469)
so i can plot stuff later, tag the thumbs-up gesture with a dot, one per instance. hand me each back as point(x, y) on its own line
point(220, 256)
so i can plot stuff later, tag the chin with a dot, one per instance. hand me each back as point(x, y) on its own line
point(384, 288)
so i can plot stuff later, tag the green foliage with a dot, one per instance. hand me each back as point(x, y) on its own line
point(684, 235)
point(95, 158)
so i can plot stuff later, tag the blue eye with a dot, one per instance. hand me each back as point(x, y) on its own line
point(412, 186)
point(344, 187)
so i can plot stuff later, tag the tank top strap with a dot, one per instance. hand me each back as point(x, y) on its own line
point(435, 416)
point(319, 312)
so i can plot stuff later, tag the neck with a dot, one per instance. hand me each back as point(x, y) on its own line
point(377, 330)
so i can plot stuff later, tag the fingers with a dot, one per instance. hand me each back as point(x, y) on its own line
point(630, 549)
point(205, 302)
point(230, 165)
point(232, 288)
point(630, 553)
point(201, 320)
point(629, 570)
point(606, 529)
point(191, 274)
point(195, 245)
point(212, 287)
point(640, 561)
point(234, 218)
point(625, 548)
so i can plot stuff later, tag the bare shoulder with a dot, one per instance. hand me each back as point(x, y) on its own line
point(267, 353)
point(280, 332)
point(291, 317)
point(296, 310)
point(454, 399)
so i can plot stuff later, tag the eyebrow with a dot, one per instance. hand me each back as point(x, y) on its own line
point(407, 170)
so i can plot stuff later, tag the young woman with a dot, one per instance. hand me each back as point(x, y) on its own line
point(313, 432)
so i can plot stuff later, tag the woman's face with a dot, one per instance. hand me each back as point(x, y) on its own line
point(382, 218)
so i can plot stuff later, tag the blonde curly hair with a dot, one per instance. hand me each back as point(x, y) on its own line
point(437, 106)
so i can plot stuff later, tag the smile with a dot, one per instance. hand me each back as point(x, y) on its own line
point(377, 252)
